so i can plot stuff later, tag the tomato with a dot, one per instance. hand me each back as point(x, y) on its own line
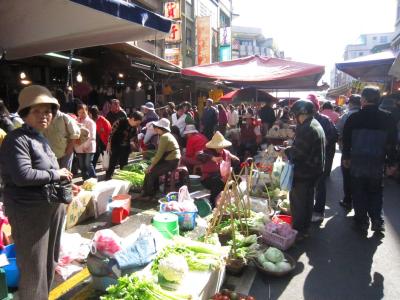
point(250, 298)
point(233, 296)
point(225, 297)
point(226, 292)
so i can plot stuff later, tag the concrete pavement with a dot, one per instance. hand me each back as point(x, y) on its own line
point(336, 262)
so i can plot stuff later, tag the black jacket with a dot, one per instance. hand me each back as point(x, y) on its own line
point(27, 164)
point(369, 137)
point(308, 150)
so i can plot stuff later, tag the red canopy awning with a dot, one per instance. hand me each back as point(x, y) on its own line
point(247, 94)
point(261, 72)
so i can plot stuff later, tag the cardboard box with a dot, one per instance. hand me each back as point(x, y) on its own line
point(80, 209)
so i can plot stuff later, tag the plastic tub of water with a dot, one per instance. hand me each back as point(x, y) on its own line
point(12, 271)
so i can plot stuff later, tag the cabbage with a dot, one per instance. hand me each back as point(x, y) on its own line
point(283, 266)
point(173, 268)
point(269, 266)
point(261, 259)
point(274, 255)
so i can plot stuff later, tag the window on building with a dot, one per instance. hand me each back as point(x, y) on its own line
point(383, 39)
point(189, 36)
point(189, 8)
point(224, 20)
point(360, 53)
point(374, 38)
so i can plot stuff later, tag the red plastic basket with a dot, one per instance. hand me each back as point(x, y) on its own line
point(282, 218)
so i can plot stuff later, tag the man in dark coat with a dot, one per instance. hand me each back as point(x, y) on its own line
point(369, 141)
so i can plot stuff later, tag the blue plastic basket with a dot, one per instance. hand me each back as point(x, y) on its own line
point(186, 220)
point(12, 271)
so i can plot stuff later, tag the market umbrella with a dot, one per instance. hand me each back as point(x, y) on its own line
point(247, 95)
point(35, 27)
point(260, 72)
point(373, 67)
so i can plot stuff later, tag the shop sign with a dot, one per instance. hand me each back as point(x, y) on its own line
point(225, 35)
point(172, 10)
point(225, 53)
point(173, 56)
point(175, 35)
point(203, 35)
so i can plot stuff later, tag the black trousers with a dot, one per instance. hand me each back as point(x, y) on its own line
point(209, 131)
point(346, 184)
point(150, 185)
point(119, 155)
point(302, 203)
point(367, 199)
point(329, 155)
point(215, 184)
point(36, 231)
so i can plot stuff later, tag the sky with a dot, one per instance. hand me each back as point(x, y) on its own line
point(316, 31)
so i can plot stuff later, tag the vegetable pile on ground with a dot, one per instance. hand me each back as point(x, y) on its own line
point(243, 247)
point(273, 260)
point(133, 173)
point(199, 257)
point(131, 287)
point(230, 295)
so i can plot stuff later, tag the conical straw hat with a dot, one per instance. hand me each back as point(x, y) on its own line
point(218, 141)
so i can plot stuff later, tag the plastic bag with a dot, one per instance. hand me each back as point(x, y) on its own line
point(286, 179)
point(186, 202)
point(106, 160)
point(106, 242)
point(225, 169)
point(277, 169)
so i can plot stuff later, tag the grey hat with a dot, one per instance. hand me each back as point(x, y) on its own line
point(163, 124)
point(34, 95)
point(148, 105)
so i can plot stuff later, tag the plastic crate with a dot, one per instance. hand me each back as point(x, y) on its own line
point(278, 241)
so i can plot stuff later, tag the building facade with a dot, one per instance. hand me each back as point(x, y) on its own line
point(248, 41)
point(395, 43)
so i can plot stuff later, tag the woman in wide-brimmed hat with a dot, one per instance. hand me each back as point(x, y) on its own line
point(213, 175)
point(166, 158)
point(28, 165)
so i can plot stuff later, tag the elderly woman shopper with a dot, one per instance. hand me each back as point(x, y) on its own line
point(28, 167)
point(213, 176)
point(166, 159)
point(85, 147)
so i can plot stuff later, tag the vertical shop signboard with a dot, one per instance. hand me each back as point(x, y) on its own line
point(203, 33)
point(173, 55)
point(175, 34)
point(225, 42)
point(172, 10)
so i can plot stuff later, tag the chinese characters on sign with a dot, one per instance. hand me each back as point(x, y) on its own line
point(172, 10)
point(203, 26)
point(175, 35)
point(173, 55)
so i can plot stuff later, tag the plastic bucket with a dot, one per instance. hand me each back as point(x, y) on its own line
point(125, 201)
point(167, 224)
point(12, 271)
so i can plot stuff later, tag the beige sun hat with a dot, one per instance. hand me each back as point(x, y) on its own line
point(218, 142)
point(190, 129)
point(163, 124)
point(34, 95)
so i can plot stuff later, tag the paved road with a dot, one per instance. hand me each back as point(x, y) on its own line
point(336, 262)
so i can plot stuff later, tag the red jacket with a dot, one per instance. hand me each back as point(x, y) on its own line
point(103, 128)
point(194, 144)
point(209, 167)
point(222, 117)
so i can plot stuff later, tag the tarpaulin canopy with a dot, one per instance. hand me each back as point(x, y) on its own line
point(373, 67)
point(34, 27)
point(260, 72)
point(247, 94)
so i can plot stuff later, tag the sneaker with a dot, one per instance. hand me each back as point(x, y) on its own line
point(345, 204)
point(317, 217)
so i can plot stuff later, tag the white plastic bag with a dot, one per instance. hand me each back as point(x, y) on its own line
point(186, 202)
point(106, 160)
point(277, 169)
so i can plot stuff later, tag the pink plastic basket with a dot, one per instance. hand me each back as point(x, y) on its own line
point(280, 242)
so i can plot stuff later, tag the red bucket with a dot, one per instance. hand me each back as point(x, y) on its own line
point(282, 218)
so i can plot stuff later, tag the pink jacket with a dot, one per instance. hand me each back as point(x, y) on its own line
point(90, 145)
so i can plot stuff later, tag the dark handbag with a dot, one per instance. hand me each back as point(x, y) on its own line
point(59, 192)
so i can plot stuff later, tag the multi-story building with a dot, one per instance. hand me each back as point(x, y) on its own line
point(366, 44)
point(251, 41)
